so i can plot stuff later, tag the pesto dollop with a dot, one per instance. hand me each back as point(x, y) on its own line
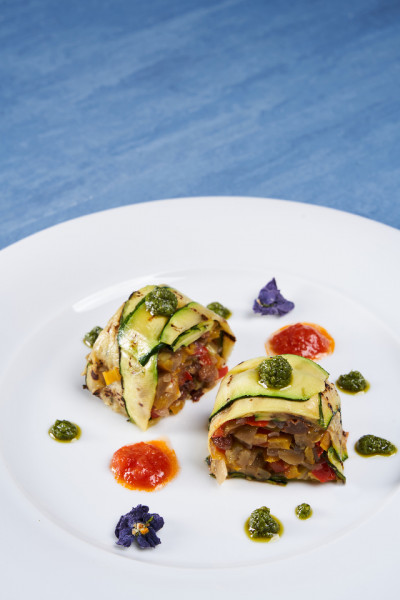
point(275, 372)
point(371, 445)
point(352, 382)
point(303, 511)
point(220, 310)
point(262, 526)
point(64, 431)
point(91, 336)
point(161, 302)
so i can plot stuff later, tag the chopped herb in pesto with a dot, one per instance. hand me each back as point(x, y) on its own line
point(221, 310)
point(271, 302)
point(261, 525)
point(91, 336)
point(371, 445)
point(64, 431)
point(139, 526)
point(303, 511)
point(275, 372)
point(161, 302)
point(352, 382)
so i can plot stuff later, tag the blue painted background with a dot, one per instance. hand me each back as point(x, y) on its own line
point(105, 103)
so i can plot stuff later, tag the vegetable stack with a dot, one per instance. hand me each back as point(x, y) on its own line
point(158, 350)
point(277, 419)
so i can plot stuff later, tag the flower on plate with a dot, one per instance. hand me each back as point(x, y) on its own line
point(139, 525)
point(271, 302)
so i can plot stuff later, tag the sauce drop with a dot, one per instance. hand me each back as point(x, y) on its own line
point(303, 511)
point(371, 445)
point(352, 383)
point(64, 431)
point(263, 539)
point(304, 339)
point(145, 466)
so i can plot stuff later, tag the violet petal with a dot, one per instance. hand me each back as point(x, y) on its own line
point(271, 302)
point(128, 522)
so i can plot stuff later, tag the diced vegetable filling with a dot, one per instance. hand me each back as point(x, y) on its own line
point(294, 449)
point(184, 374)
point(187, 373)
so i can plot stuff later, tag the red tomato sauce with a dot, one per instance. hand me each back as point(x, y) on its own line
point(145, 466)
point(304, 339)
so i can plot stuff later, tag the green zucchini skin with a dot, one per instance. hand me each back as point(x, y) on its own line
point(308, 379)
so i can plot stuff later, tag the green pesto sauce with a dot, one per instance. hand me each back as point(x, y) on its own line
point(261, 526)
point(275, 372)
point(303, 511)
point(161, 302)
point(371, 445)
point(352, 383)
point(64, 431)
point(91, 336)
point(220, 309)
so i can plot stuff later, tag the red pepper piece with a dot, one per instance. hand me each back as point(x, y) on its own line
point(252, 421)
point(222, 372)
point(203, 355)
point(278, 466)
point(324, 472)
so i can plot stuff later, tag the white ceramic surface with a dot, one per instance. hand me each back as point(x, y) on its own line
point(60, 503)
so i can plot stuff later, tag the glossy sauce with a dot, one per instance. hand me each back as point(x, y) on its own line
point(352, 383)
point(303, 339)
point(359, 393)
point(145, 466)
point(303, 511)
point(263, 540)
point(64, 431)
point(371, 445)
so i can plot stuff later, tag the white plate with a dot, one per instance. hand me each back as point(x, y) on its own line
point(60, 502)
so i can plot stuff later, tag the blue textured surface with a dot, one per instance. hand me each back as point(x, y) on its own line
point(105, 103)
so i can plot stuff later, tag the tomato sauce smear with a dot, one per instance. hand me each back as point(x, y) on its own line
point(304, 339)
point(145, 466)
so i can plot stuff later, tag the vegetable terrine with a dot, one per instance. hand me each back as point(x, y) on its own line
point(277, 434)
point(158, 350)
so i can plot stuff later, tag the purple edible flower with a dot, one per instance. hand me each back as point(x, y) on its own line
point(271, 302)
point(139, 525)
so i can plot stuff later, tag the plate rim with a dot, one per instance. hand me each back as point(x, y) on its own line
point(32, 238)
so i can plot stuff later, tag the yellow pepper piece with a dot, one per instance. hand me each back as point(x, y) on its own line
point(176, 407)
point(272, 459)
point(282, 442)
point(309, 455)
point(111, 376)
point(325, 441)
point(292, 472)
